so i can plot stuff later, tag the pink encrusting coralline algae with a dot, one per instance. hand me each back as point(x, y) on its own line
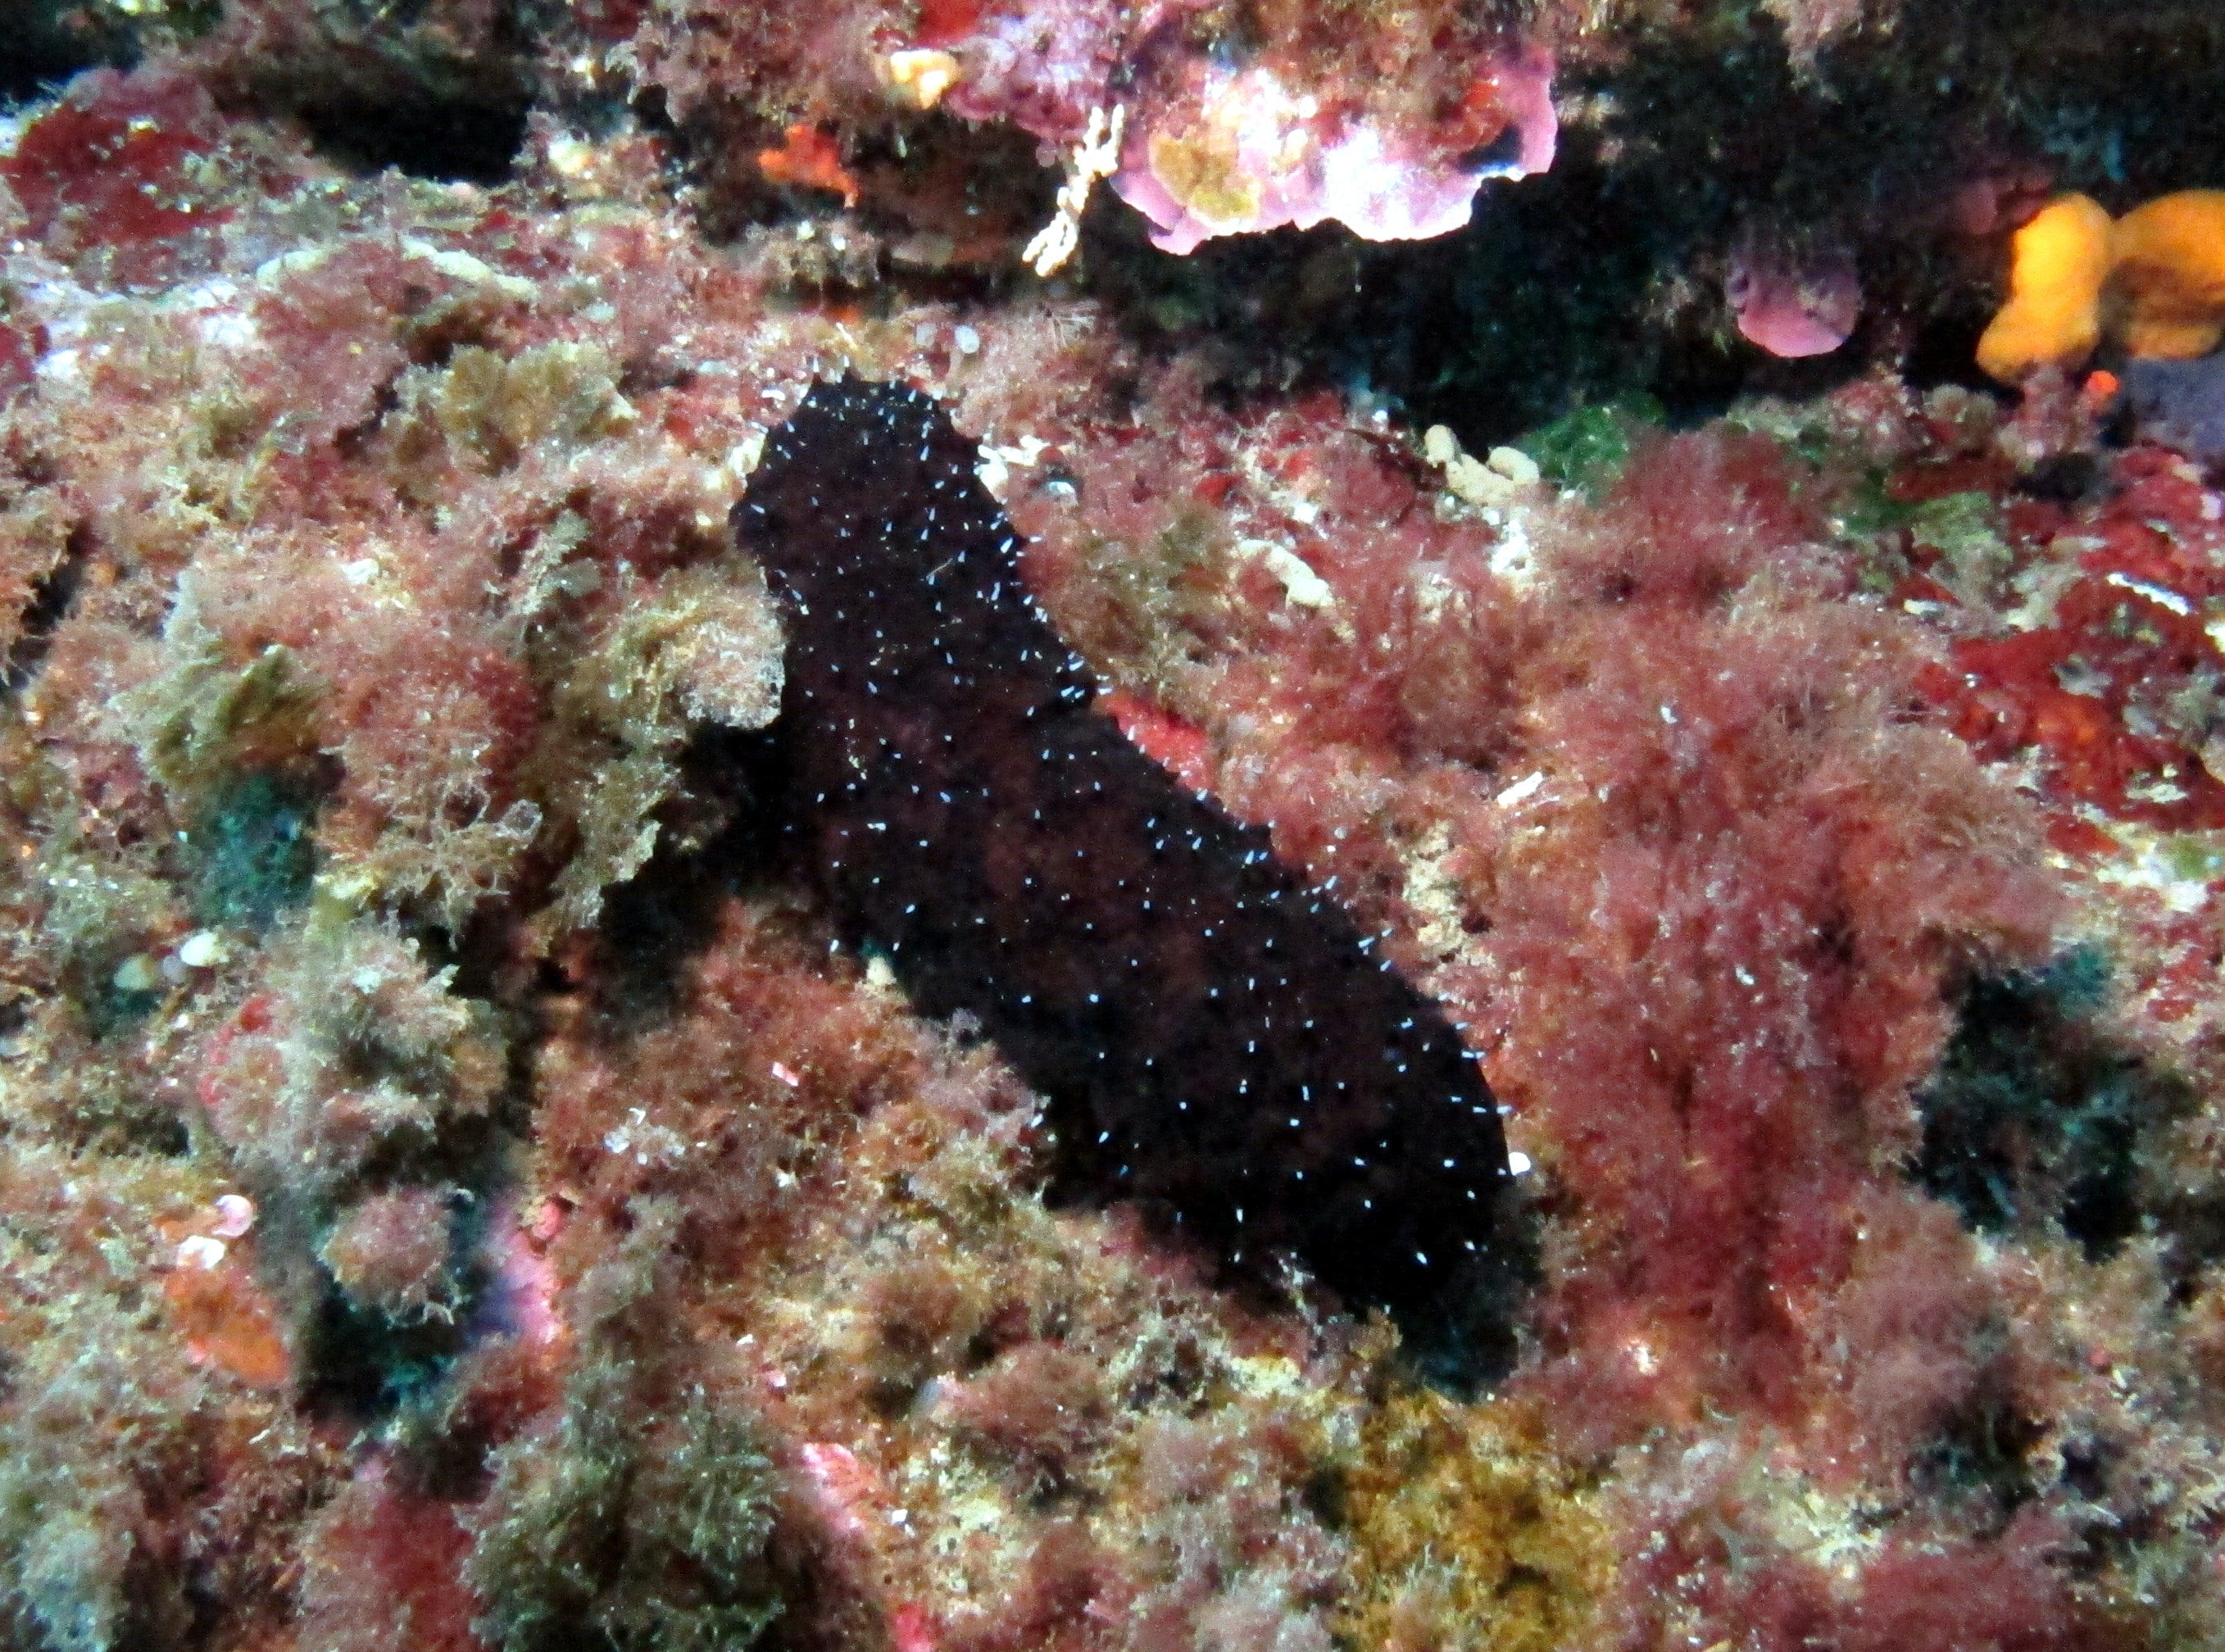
point(1237, 151)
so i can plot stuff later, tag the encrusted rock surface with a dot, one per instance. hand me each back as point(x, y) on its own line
point(460, 1187)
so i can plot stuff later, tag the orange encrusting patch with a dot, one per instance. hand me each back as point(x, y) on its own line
point(2162, 266)
point(2169, 266)
point(809, 158)
point(229, 1321)
point(2059, 265)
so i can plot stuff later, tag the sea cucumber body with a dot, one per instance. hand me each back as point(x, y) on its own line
point(1213, 1038)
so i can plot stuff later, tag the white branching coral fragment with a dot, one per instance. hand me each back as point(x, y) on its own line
point(1097, 155)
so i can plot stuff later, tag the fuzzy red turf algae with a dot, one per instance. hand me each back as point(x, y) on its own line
point(1216, 1039)
point(444, 1202)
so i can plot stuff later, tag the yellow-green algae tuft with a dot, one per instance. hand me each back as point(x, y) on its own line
point(1470, 1532)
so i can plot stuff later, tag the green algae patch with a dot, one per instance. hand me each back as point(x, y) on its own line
point(640, 1517)
point(1964, 530)
point(1587, 449)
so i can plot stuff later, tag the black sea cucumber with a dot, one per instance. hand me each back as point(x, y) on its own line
point(1213, 1038)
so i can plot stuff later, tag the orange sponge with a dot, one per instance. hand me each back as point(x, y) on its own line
point(2058, 263)
point(2170, 271)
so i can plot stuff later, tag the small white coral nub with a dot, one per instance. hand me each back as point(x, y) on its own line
point(923, 75)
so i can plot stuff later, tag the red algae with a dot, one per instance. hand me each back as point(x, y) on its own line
point(1770, 862)
point(391, 1251)
point(1034, 1406)
point(2109, 686)
point(456, 1188)
point(18, 360)
point(110, 177)
point(381, 1569)
point(1692, 761)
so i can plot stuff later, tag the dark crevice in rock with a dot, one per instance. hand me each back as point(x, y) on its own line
point(460, 139)
point(51, 602)
point(2037, 1115)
